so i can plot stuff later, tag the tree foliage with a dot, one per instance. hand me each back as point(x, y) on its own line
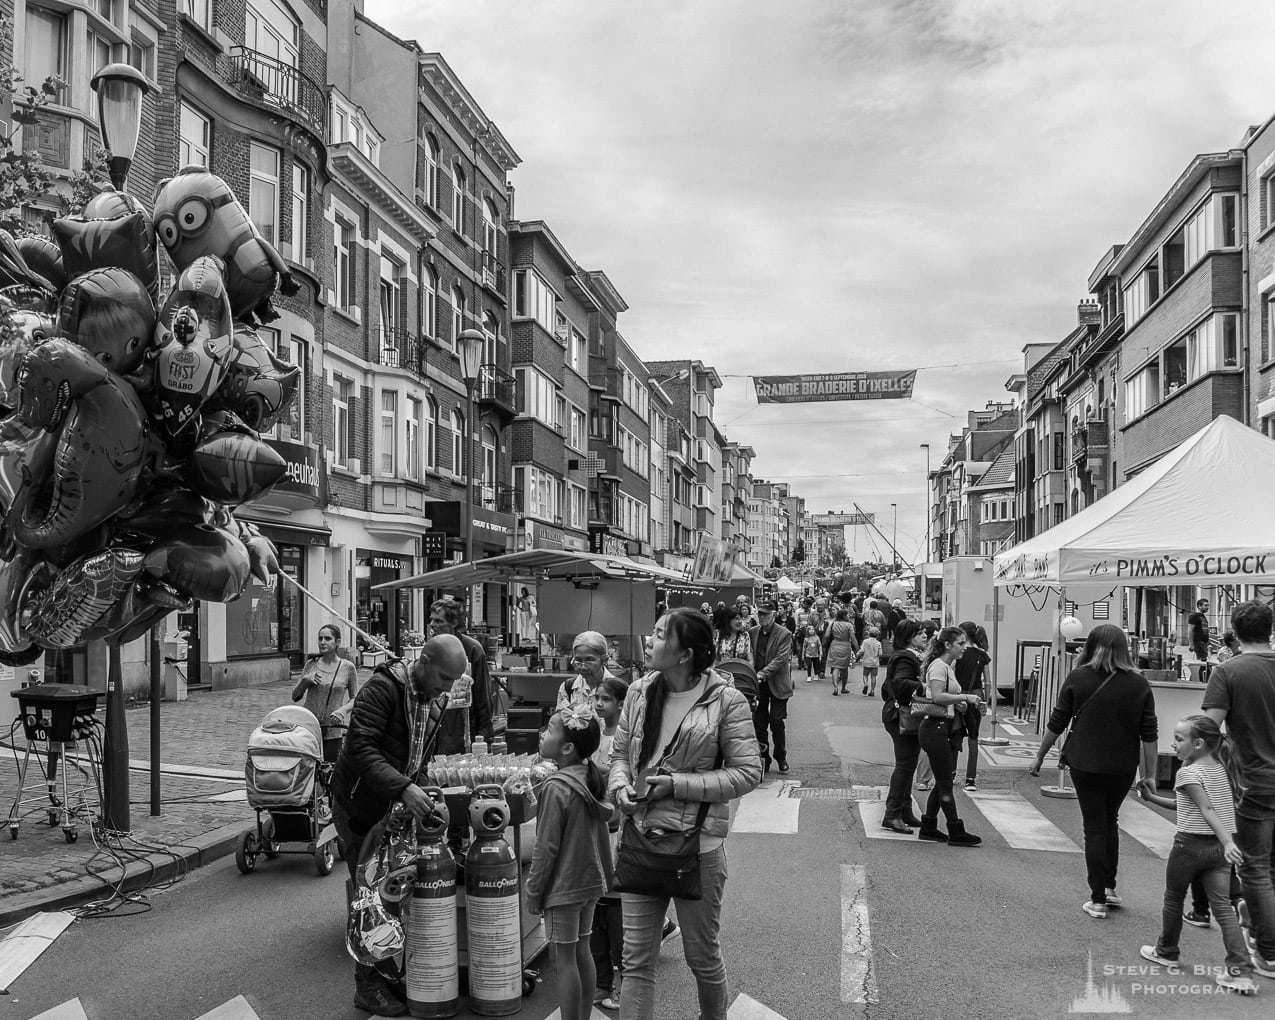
point(23, 175)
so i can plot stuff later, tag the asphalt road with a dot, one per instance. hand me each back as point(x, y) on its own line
point(814, 920)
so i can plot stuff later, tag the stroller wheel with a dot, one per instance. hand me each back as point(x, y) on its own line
point(324, 856)
point(246, 852)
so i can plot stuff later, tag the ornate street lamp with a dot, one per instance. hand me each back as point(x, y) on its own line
point(120, 88)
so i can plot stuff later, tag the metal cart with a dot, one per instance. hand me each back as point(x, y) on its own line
point(58, 716)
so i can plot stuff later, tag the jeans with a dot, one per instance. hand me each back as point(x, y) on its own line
point(1254, 825)
point(607, 942)
point(907, 749)
point(936, 742)
point(772, 712)
point(972, 720)
point(1198, 856)
point(1100, 796)
point(700, 921)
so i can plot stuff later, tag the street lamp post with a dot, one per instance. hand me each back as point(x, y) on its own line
point(894, 542)
point(119, 88)
point(469, 345)
point(926, 448)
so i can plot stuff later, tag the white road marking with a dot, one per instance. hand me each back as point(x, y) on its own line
point(23, 946)
point(229, 795)
point(69, 1010)
point(746, 1008)
point(858, 977)
point(1009, 728)
point(595, 1014)
point(872, 812)
point(235, 1009)
point(769, 809)
point(1150, 829)
point(1021, 823)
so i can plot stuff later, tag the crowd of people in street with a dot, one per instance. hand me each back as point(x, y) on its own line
point(664, 755)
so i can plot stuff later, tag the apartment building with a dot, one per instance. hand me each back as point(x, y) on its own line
point(969, 456)
point(1181, 281)
point(736, 489)
point(767, 526)
point(692, 387)
point(550, 438)
point(402, 366)
point(1259, 319)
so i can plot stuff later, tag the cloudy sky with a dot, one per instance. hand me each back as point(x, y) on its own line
point(812, 185)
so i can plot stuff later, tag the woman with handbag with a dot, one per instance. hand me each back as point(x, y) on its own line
point(326, 683)
point(840, 648)
point(1111, 710)
point(902, 680)
point(684, 748)
point(940, 735)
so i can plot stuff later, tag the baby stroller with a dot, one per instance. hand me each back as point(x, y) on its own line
point(287, 782)
point(743, 677)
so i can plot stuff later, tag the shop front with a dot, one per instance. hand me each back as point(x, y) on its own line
point(493, 533)
point(386, 615)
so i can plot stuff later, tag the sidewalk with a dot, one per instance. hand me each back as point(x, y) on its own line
point(203, 744)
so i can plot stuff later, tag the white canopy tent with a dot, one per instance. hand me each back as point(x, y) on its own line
point(1201, 515)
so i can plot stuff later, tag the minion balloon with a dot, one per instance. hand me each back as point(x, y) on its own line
point(197, 214)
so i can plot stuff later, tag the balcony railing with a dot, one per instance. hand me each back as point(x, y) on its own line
point(283, 86)
point(401, 350)
point(503, 499)
point(497, 387)
point(493, 272)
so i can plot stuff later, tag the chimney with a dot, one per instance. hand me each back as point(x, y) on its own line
point(1089, 313)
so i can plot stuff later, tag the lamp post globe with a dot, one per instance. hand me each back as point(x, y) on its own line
point(120, 88)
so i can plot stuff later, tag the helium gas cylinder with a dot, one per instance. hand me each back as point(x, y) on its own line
point(493, 908)
point(431, 968)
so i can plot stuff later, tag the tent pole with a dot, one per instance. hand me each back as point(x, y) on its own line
point(1062, 791)
point(994, 740)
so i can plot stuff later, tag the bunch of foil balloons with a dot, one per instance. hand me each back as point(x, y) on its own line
point(130, 424)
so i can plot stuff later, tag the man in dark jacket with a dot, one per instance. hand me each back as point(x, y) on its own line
point(447, 616)
point(372, 772)
point(772, 658)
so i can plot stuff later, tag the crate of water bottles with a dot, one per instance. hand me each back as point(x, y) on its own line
point(517, 774)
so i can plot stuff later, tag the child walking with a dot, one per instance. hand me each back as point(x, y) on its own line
point(606, 942)
point(1204, 846)
point(870, 659)
point(571, 866)
point(811, 652)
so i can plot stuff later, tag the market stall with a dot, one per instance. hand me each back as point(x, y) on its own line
point(1198, 517)
point(575, 592)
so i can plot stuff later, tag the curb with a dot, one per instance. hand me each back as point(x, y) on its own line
point(137, 874)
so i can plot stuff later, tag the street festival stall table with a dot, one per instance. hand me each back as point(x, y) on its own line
point(1199, 516)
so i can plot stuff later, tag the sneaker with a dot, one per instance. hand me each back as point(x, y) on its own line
point(671, 927)
point(612, 1001)
point(1113, 898)
point(1098, 910)
point(1241, 984)
point(1264, 967)
point(924, 784)
point(1154, 954)
point(810, 679)
point(1196, 918)
point(834, 692)
point(972, 787)
point(376, 998)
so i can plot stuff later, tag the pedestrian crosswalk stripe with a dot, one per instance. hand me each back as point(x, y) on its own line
point(747, 1008)
point(872, 812)
point(768, 809)
point(23, 946)
point(236, 1009)
point(69, 1010)
point(1152, 830)
point(858, 976)
point(1021, 824)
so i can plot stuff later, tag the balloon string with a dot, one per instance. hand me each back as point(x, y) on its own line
point(323, 605)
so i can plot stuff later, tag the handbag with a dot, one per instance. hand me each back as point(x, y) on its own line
point(658, 863)
point(664, 864)
point(924, 707)
point(1062, 751)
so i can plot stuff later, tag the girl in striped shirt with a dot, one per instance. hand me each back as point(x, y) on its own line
point(1204, 846)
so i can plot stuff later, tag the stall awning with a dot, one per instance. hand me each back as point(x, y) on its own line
point(538, 565)
point(1201, 515)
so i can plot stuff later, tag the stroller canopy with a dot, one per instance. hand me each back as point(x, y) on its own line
point(289, 729)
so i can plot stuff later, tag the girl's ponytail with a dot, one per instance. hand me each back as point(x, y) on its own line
point(1230, 760)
